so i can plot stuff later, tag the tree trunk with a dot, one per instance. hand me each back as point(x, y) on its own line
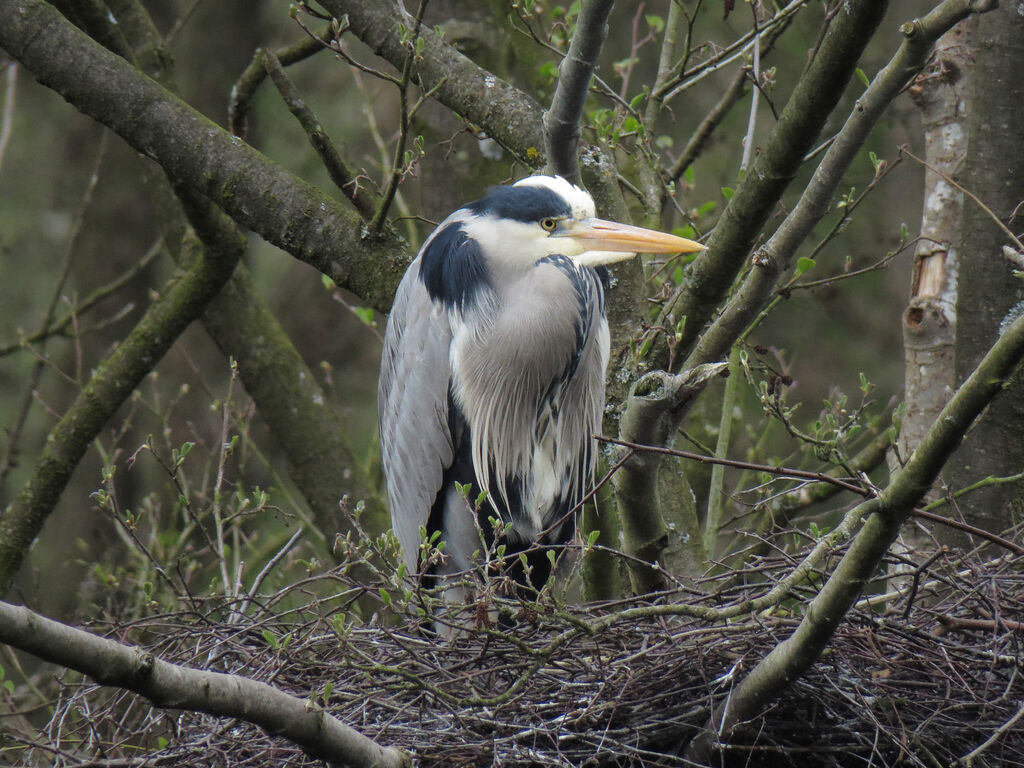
point(989, 296)
point(943, 94)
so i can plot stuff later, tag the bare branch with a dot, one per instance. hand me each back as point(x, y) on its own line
point(178, 687)
point(245, 87)
point(342, 177)
point(562, 121)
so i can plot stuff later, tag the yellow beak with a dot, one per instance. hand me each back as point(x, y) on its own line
point(604, 242)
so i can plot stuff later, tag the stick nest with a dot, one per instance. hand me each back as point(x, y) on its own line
point(926, 679)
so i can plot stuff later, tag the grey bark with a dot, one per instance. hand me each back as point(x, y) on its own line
point(989, 296)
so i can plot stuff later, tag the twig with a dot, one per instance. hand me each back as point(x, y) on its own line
point(181, 21)
point(684, 80)
point(755, 96)
point(90, 301)
point(398, 165)
point(968, 528)
point(708, 125)
point(767, 468)
point(952, 182)
point(968, 759)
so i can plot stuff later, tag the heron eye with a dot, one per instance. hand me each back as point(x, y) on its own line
point(548, 224)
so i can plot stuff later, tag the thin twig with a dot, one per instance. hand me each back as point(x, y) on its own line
point(952, 182)
point(398, 166)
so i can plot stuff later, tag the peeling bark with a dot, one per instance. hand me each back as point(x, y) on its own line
point(929, 321)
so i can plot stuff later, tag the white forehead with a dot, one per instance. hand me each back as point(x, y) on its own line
point(579, 200)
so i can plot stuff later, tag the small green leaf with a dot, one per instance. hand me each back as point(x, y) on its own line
point(727, 192)
point(365, 314)
point(385, 597)
point(481, 498)
point(327, 283)
point(803, 264)
point(655, 22)
point(462, 489)
point(634, 103)
point(863, 77)
point(707, 207)
point(630, 125)
point(592, 538)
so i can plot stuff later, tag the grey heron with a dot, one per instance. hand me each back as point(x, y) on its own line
point(493, 372)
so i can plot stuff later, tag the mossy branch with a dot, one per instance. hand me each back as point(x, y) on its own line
point(197, 154)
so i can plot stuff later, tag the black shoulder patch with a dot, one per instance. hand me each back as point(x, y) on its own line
point(452, 268)
point(522, 204)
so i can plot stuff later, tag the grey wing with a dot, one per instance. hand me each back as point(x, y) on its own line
point(412, 407)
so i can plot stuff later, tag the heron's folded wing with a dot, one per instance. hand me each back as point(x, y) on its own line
point(416, 445)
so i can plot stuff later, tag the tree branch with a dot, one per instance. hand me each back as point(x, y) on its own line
point(198, 155)
point(509, 116)
point(562, 121)
point(816, 95)
point(888, 511)
point(178, 687)
point(285, 390)
point(244, 89)
point(655, 400)
point(342, 177)
point(774, 258)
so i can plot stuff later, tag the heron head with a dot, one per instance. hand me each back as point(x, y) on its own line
point(540, 216)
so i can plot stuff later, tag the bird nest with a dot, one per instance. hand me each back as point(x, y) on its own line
point(927, 677)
